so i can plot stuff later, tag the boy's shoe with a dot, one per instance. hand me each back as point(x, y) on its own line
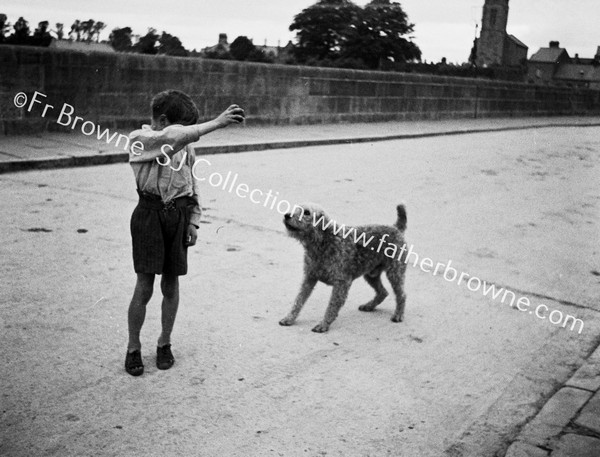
point(133, 363)
point(164, 357)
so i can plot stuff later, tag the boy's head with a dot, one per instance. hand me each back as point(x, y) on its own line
point(173, 107)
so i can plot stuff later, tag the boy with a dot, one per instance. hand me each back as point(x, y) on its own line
point(165, 220)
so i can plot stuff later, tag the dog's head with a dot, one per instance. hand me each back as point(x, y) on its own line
point(307, 222)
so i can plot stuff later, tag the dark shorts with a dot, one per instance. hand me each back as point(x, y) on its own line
point(158, 236)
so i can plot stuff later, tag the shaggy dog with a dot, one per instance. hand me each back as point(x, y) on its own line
point(337, 255)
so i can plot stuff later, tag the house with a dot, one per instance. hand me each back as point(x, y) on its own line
point(515, 51)
point(219, 49)
point(553, 65)
point(277, 53)
point(542, 65)
point(274, 53)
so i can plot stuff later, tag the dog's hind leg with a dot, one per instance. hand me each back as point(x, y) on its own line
point(396, 277)
point(337, 300)
point(305, 290)
point(380, 292)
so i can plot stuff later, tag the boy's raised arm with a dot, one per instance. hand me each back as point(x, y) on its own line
point(147, 144)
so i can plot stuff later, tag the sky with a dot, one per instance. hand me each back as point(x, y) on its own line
point(443, 28)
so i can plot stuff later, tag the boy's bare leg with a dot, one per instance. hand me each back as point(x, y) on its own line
point(169, 285)
point(137, 309)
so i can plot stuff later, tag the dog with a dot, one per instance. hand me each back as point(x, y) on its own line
point(337, 255)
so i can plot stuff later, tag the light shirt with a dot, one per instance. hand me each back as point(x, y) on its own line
point(174, 179)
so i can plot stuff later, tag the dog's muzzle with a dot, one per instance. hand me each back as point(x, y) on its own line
point(286, 221)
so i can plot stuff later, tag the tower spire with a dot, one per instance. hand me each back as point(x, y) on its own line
point(491, 43)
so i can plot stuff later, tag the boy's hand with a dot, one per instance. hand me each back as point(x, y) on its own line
point(232, 115)
point(190, 235)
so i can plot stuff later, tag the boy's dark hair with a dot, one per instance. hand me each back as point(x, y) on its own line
point(177, 106)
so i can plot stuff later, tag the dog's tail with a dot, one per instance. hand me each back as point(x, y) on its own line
point(401, 221)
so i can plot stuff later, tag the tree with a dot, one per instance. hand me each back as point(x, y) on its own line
point(120, 39)
point(218, 54)
point(241, 48)
point(97, 28)
point(340, 33)
point(171, 45)
point(147, 43)
point(60, 31)
point(3, 27)
point(75, 30)
point(473, 55)
point(21, 33)
point(379, 35)
point(87, 30)
point(259, 55)
point(41, 36)
point(322, 29)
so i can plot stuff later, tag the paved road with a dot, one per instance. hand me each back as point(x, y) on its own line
point(459, 377)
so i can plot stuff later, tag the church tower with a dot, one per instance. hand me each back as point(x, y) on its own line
point(491, 43)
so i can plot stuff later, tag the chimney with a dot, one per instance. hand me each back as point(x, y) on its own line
point(597, 56)
point(554, 44)
point(222, 38)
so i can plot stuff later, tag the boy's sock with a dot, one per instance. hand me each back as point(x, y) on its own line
point(131, 349)
point(163, 341)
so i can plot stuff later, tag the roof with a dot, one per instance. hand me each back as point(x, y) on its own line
point(518, 42)
point(549, 55)
point(273, 50)
point(220, 47)
point(578, 72)
point(583, 60)
point(81, 46)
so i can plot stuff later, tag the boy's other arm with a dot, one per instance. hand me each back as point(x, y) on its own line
point(196, 210)
point(170, 140)
point(191, 234)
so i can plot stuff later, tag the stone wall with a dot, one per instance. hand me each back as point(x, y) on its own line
point(115, 90)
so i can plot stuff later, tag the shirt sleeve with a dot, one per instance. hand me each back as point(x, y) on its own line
point(146, 144)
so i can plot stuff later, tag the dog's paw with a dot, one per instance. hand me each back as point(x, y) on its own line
point(321, 328)
point(396, 318)
point(286, 321)
point(366, 308)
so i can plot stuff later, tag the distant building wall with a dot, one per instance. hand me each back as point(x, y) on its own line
point(514, 53)
point(114, 90)
point(540, 72)
point(552, 65)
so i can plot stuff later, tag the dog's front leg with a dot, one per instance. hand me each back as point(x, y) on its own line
point(307, 287)
point(337, 300)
